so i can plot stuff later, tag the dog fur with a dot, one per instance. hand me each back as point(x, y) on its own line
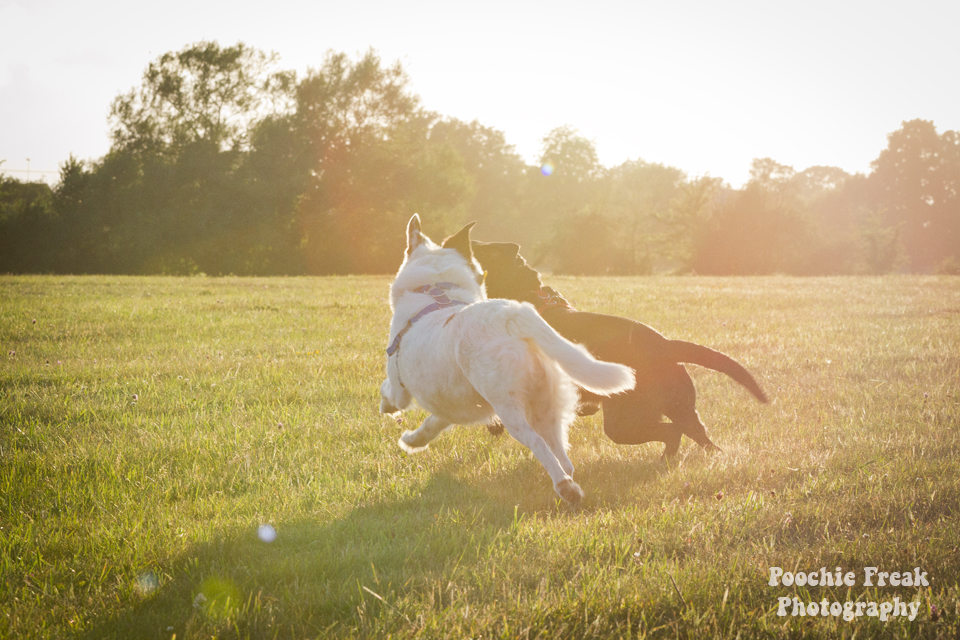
point(490, 358)
point(663, 388)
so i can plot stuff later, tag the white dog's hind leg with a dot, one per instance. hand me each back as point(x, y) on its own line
point(414, 441)
point(550, 408)
point(550, 427)
point(551, 430)
point(517, 426)
point(561, 455)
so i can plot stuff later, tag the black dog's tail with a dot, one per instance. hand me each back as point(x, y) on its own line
point(680, 351)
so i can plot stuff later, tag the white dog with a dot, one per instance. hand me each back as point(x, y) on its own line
point(466, 359)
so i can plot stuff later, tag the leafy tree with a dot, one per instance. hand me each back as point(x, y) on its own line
point(570, 156)
point(815, 222)
point(497, 173)
point(372, 162)
point(762, 229)
point(272, 177)
point(917, 180)
point(27, 222)
point(77, 237)
point(204, 92)
point(687, 220)
point(568, 182)
point(815, 182)
point(586, 245)
point(640, 199)
point(175, 194)
point(223, 163)
point(880, 245)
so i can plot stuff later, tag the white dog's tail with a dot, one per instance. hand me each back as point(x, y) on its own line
point(603, 378)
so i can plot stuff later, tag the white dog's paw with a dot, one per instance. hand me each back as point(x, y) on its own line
point(570, 491)
point(409, 444)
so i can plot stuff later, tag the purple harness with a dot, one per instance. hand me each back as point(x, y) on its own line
point(441, 301)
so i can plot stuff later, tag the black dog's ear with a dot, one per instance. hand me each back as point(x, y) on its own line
point(414, 237)
point(461, 242)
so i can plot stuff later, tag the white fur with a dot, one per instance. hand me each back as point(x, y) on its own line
point(469, 364)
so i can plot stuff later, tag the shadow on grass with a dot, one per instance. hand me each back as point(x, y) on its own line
point(318, 576)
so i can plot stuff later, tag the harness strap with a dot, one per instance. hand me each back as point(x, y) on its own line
point(550, 298)
point(441, 301)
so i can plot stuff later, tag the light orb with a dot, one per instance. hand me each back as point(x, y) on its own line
point(266, 533)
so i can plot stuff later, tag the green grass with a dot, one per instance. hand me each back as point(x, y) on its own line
point(148, 426)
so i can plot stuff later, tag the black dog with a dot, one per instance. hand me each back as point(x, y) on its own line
point(664, 387)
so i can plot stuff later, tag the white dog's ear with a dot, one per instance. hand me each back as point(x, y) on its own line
point(461, 242)
point(414, 236)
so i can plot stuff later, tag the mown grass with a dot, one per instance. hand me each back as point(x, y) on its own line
point(149, 426)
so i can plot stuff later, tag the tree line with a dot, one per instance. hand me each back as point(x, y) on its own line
point(223, 163)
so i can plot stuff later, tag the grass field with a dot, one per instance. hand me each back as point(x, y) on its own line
point(149, 427)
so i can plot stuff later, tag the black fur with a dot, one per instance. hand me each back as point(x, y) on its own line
point(664, 387)
point(461, 242)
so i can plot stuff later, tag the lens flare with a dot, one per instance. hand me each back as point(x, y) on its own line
point(147, 583)
point(218, 598)
point(546, 168)
point(266, 533)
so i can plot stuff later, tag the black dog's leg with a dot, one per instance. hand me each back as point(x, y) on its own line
point(631, 418)
point(671, 445)
point(682, 409)
point(589, 403)
point(696, 431)
point(495, 428)
point(628, 420)
point(693, 429)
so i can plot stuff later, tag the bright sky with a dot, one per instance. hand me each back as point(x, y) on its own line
point(701, 85)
